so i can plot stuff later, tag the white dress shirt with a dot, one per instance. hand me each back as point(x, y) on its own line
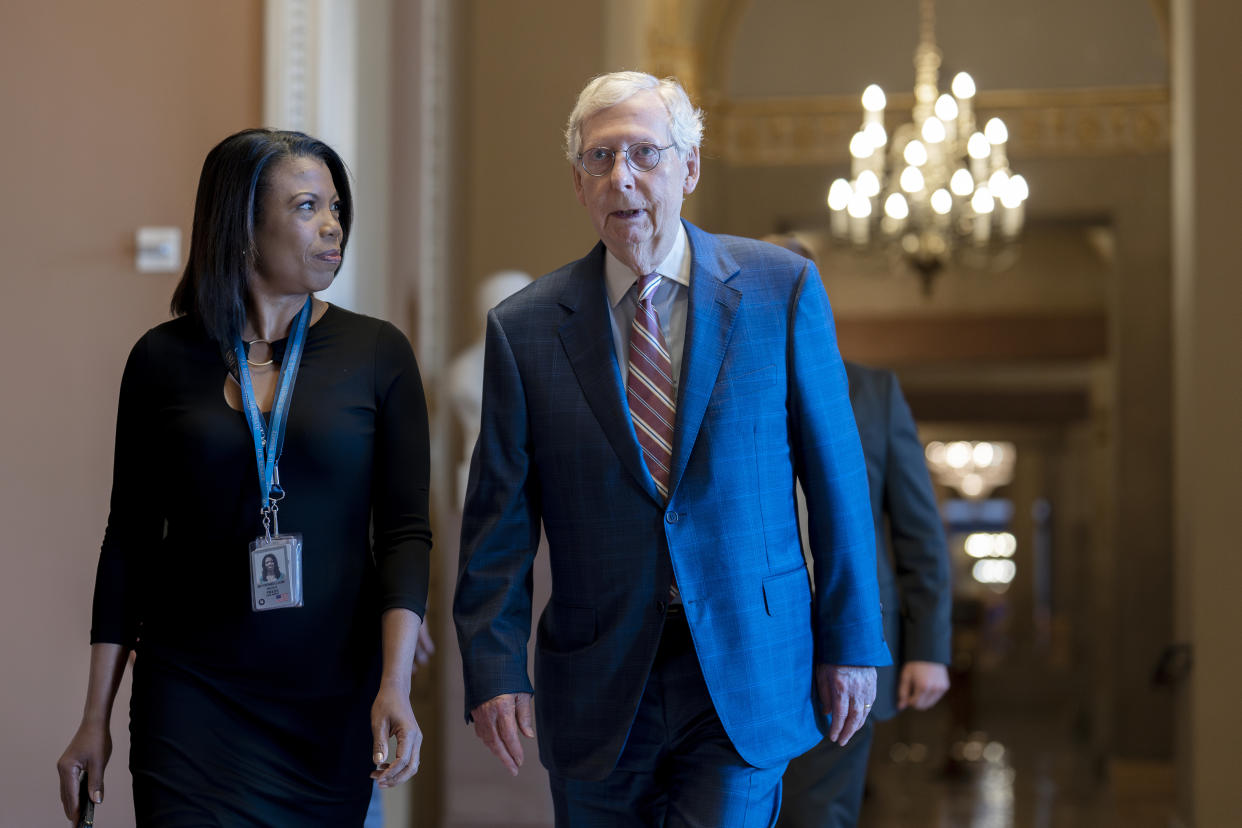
point(670, 299)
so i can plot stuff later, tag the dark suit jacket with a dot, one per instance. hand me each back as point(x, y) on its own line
point(914, 568)
point(763, 397)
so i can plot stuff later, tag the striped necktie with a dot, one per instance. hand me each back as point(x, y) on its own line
point(649, 386)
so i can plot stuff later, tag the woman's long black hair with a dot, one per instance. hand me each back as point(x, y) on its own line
point(236, 174)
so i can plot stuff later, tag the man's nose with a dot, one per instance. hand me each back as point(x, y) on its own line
point(621, 175)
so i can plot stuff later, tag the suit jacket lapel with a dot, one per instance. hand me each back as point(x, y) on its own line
point(712, 309)
point(586, 335)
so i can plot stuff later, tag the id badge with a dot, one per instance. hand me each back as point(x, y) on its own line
point(276, 572)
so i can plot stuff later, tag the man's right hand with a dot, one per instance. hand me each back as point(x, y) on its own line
point(498, 721)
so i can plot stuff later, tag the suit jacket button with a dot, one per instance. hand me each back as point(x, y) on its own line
point(660, 607)
point(671, 517)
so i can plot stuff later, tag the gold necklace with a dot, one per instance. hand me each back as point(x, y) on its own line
point(259, 364)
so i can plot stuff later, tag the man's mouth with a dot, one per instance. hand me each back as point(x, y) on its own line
point(627, 214)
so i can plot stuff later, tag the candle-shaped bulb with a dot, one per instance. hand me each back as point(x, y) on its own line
point(895, 207)
point(1018, 185)
point(998, 182)
point(983, 205)
point(839, 193)
point(962, 184)
point(859, 206)
point(995, 131)
point(860, 145)
point(868, 184)
point(875, 134)
point(873, 99)
point(963, 86)
point(1011, 196)
point(978, 147)
point(942, 202)
point(911, 180)
point(982, 201)
point(859, 210)
point(946, 107)
point(915, 153)
point(933, 131)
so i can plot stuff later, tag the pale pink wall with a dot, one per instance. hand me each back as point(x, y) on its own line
point(108, 110)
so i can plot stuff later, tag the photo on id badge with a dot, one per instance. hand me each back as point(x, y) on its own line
point(270, 570)
point(275, 573)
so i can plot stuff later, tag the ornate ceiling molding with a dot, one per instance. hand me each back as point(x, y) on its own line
point(1042, 124)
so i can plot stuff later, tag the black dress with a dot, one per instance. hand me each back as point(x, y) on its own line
point(238, 717)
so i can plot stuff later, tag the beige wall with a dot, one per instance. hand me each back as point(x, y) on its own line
point(1207, 297)
point(525, 70)
point(109, 110)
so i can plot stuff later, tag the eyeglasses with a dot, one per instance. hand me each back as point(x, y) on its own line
point(642, 157)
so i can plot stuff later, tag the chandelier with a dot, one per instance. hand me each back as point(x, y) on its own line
point(972, 468)
point(938, 187)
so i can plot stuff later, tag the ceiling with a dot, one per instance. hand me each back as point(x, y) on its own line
point(837, 47)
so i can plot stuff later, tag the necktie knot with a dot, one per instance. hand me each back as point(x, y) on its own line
point(647, 285)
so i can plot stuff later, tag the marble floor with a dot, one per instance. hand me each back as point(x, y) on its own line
point(1024, 770)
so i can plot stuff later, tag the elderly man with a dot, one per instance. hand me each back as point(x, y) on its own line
point(652, 405)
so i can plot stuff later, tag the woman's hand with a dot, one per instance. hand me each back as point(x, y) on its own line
point(392, 716)
point(88, 754)
point(91, 747)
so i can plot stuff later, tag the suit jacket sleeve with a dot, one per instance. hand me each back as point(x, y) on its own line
point(829, 462)
point(499, 535)
point(920, 555)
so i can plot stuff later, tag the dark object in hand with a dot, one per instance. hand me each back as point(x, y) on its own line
point(86, 806)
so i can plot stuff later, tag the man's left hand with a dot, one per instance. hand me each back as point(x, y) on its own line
point(847, 693)
point(921, 685)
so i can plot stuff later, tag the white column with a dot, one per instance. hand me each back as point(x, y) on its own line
point(311, 85)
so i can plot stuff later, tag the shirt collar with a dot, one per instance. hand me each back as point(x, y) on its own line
point(676, 266)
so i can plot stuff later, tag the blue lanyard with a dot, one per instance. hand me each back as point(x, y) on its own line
point(269, 439)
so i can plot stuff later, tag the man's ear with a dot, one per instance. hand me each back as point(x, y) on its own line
point(692, 171)
point(577, 173)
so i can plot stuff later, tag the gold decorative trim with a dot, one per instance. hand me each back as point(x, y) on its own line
point(1042, 123)
point(669, 46)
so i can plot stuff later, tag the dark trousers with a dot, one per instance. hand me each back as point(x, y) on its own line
point(678, 768)
point(824, 786)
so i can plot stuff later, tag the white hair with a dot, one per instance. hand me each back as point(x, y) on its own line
point(685, 121)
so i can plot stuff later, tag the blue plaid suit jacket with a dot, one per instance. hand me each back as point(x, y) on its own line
point(763, 398)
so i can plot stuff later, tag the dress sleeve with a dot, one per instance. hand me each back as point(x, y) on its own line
point(402, 528)
point(135, 525)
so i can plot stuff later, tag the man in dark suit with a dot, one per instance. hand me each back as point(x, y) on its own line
point(651, 405)
point(824, 787)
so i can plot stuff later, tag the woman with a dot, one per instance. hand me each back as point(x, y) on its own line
point(252, 704)
point(270, 573)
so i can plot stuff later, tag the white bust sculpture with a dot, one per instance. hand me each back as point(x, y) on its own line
point(465, 373)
